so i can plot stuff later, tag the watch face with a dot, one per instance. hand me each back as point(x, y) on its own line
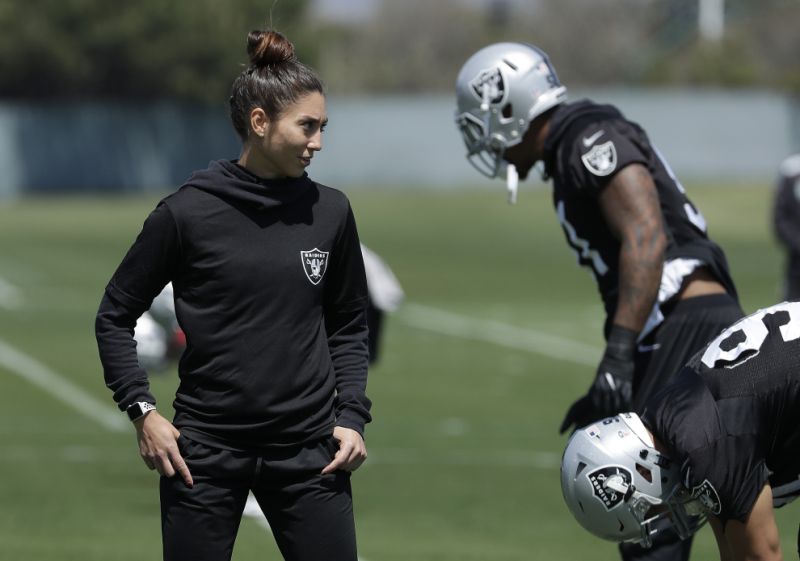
point(138, 409)
point(134, 412)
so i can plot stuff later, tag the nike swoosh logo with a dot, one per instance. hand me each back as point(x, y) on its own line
point(649, 348)
point(589, 140)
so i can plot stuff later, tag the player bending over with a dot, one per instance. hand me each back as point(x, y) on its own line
point(721, 442)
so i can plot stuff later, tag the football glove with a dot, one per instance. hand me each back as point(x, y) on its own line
point(580, 414)
point(612, 389)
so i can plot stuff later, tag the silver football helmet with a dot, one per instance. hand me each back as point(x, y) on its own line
point(499, 91)
point(617, 485)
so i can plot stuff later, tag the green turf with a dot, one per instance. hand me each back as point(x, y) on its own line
point(464, 443)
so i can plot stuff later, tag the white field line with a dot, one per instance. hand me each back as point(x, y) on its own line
point(65, 391)
point(415, 315)
point(61, 388)
point(498, 333)
point(10, 295)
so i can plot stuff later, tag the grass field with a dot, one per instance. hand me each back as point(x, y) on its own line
point(499, 333)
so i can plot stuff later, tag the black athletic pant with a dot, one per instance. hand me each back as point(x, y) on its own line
point(688, 326)
point(311, 515)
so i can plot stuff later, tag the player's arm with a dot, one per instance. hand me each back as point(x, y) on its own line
point(722, 543)
point(632, 211)
point(755, 539)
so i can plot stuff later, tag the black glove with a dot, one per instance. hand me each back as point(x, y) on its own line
point(612, 389)
point(580, 414)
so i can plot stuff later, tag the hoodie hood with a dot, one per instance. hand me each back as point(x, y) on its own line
point(580, 113)
point(228, 180)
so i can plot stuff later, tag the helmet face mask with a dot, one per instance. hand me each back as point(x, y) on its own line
point(620, 488)
point(499, 91)
point(483, 152)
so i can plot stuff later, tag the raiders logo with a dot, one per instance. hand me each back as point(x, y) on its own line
point(598, 478)
point(544, 69)
point(493, 79)
point(315, 263)
point(601, 159)
point(708, 497)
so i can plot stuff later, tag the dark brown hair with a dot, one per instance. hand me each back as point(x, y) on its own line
point(274, 79)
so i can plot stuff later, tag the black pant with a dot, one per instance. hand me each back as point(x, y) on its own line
point(311, 515)
point(688, 326)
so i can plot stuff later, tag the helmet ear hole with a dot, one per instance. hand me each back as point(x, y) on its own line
point(508, 111)
point(581, 467)
point(644, 472)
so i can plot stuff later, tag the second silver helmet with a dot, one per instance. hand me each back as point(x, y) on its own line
point(499, 91)
point(618, 485)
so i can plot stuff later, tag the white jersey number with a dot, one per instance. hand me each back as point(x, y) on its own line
point(755, 333)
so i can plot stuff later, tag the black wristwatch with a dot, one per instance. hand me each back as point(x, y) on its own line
point(139, 409)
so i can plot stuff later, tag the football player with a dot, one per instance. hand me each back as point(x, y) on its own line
point(159, 339)
point(786, 214)
point(721, 441)
point(665, 285)
point(385, 297)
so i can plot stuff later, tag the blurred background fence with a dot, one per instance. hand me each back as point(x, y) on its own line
point(130, 97)
point(378, 141)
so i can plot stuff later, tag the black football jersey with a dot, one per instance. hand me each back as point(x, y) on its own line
point(732, 416)
point(587, 144)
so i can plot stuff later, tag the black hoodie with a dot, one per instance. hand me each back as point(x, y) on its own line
point(270, 291)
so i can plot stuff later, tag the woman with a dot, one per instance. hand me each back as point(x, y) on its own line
point(270, 292)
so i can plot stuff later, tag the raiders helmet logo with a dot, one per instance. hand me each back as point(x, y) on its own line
point(545, 70)
point(315, 263)
point(601, 159)
point(491, 79)
point(609, 497)
point(708, 497)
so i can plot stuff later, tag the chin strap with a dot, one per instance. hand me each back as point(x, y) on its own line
point(486, 96)
point(639, 504)
point(512, 182)
point(488, 91)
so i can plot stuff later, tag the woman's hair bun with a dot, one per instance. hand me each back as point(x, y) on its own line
point(268, 48)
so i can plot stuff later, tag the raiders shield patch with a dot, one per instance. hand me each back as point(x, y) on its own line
point(601, 159)
point(315, 263)
point(493, 79)
point(609, 497)
point(708, 497)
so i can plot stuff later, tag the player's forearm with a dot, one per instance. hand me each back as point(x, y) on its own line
point(756, 538)
point(631, 209)
point(640, 265)
point(765, 550)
